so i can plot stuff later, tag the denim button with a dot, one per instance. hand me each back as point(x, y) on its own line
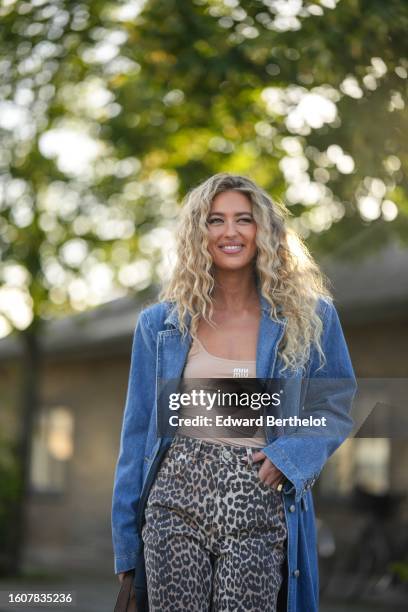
point(292, 508)
point(296, 573)
point(226, 454)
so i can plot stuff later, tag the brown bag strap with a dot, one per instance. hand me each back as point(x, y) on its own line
point(126, 601)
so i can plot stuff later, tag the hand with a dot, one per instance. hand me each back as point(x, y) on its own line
point(268, 473)
point(122, 575)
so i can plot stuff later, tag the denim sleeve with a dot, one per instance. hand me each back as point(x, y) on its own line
point(300, 456)
point(128, 474)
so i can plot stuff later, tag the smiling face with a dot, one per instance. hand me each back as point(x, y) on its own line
point(231, 231)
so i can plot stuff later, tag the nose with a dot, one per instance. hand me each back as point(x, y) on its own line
point(230, 228)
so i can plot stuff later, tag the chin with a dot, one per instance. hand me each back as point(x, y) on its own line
point(232, 265)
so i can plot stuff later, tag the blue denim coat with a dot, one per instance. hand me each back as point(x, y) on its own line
point(159, 351)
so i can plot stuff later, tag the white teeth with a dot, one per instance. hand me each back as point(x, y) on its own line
point(232, 249)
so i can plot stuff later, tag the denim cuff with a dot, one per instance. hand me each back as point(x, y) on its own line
point(123, 563)
point(281, 460)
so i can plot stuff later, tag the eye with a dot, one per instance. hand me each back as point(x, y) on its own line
point(245, 219)
point(214, 220)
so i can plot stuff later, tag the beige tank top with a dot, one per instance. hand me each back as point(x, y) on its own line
point(201, 364)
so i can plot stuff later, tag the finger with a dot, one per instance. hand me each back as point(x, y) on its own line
point(278, 483)
point(275, 483)
point(278, 477)
point(263, 472)
point(258, 456)
point(272, 483)
point(269, 477)
point(267, 470)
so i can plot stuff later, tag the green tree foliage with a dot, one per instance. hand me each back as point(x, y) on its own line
point(309, 98)
point(70, 208)
point(301, 95)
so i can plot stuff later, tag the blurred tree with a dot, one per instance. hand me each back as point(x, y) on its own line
point(306, 97)
point(111, 110)
point(10, 494)
point(72, 217)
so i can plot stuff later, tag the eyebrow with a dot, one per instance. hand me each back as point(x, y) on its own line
point(220, 214)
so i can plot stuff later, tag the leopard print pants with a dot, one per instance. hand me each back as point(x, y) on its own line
point(215, 535)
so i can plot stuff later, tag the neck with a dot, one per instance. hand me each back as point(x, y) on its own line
point(235, 290)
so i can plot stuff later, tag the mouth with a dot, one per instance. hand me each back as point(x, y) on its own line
point(231, 249)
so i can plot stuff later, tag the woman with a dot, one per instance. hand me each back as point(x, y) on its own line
point(225, 521)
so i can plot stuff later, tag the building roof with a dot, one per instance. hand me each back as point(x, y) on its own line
point(368, 290)
point(108, 325)
point(372, 288)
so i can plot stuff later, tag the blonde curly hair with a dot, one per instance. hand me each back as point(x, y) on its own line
point(286, 273)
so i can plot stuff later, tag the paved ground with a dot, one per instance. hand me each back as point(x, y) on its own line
point(99, 595)
point(90, 595)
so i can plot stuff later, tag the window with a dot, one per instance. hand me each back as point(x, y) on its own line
point(336, 479)
point(52, 447)
point(372, 457)
point(362, 462)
